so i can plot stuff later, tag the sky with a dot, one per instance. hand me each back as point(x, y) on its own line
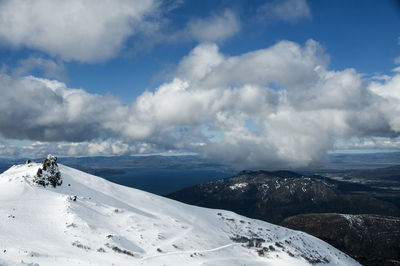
point(249, 83)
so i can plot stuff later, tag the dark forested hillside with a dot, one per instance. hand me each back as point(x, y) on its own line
point(274, 196)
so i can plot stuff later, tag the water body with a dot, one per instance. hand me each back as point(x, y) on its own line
point(162, 181)
point(4, 168)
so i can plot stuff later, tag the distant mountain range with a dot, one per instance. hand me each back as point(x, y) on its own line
point(335, 161)
point(122, 162)
point(274, 196)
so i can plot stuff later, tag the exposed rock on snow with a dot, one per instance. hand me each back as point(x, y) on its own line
point(95, 222)
point(48, 173)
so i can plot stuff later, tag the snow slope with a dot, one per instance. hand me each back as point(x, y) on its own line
point(109, 224)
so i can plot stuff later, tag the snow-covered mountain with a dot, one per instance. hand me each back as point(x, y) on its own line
point(90, 221)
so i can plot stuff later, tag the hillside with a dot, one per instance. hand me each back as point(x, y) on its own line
point(274, 196)
point(88, 220)
point(371, 239)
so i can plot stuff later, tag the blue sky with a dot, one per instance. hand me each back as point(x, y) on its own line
point(362, 35)
point(171, 77)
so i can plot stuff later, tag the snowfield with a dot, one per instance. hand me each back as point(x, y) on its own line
point(90, 221)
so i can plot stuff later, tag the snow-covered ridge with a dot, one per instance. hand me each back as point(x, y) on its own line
point(90, 221)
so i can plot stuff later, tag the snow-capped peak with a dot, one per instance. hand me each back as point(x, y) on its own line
point(90, 221)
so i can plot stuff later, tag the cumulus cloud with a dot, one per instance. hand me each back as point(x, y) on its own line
point(41, 109)
point(298, 107)
point(288, 10)
point(281, 105)
point(207, 67)
point(87, 31)
point(215, 28)
point(48, 68)
point(38, 149)
point(95, 31)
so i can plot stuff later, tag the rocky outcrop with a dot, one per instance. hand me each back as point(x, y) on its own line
point(48, 174)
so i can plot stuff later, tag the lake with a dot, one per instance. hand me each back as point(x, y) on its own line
point(162, 181)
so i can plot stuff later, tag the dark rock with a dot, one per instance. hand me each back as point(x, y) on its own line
point(48, 174)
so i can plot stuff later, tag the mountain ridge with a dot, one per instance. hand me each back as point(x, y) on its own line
point(273, 196)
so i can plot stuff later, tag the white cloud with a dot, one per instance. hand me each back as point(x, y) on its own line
point(41, 109)
point(259, 67)
point(49, 68)
point(214, 28)
point(287, 10)
point(297, 122)
point(95, 31)
point(86, 31)
point(369, 144)
point(108, 147)
point(280, 105)
point(390, 105)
